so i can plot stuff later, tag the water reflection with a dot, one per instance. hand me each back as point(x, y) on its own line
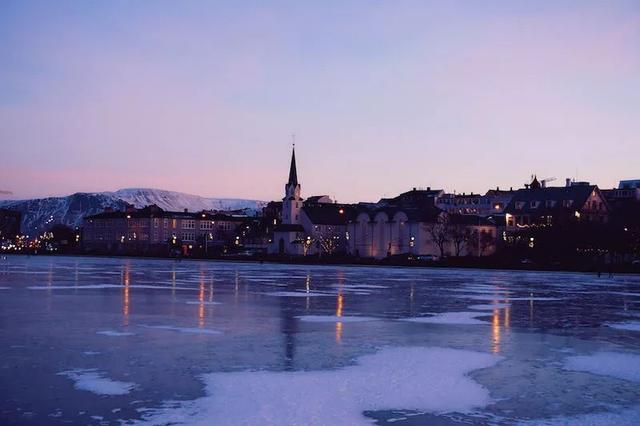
point(339, 307)
point(201, 296)
point(495, 331)
point(126, 280)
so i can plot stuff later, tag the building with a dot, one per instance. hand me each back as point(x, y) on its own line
point(418, 229)
point(490, 204)
point(316, 226)
point(538, 206)
point(153, 230)
point(9, 224)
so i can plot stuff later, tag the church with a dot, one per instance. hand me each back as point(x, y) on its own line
point(315, 226)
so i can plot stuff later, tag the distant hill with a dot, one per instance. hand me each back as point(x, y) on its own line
point(40, 214)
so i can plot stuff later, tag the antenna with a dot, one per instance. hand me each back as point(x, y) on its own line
point(293, 139)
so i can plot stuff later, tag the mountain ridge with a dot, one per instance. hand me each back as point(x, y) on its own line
point(39, 214)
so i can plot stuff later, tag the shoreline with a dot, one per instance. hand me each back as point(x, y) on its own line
point(446, 264)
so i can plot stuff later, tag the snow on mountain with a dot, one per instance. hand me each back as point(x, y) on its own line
point(178, 201)
point(40, 214)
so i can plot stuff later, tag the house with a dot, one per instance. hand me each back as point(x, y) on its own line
point(538, 206)
point(493, 202)
point(153, 230)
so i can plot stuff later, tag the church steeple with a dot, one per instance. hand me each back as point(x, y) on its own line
point(293, 172)
point(292, 202)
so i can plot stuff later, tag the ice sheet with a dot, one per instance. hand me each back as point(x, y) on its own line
point(459, 318)
point(415, 378)
point(614, 364)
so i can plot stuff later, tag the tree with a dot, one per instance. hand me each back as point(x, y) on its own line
point(460, 237)
point(438, 232)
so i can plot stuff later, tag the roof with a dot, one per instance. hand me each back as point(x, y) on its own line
point(424, 213)
point(288, 227)
point(154, 211)
point(578, 194)
point(319, 199)
point(329, 214)
point(293, 172)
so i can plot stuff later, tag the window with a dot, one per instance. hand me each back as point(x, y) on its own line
point(205, 224)
point(156, 222)
point(174, 223)
point(534, 204)
point(519, 205)
point(188, 224)
point(166, 223)
point(550, 204)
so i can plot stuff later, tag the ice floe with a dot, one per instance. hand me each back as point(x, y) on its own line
point(458, 318)
point(113, 333)
point(189, 330)
point(92, 380)
point(333, 318)
point(414, 378)
point(629, 325)
point(614, 364)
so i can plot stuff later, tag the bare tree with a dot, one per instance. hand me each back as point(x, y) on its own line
point(439, 232)
point(460, 237)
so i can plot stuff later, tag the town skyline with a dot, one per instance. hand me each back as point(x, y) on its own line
point(202, 98)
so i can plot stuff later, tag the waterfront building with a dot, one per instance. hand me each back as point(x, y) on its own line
point(538, 206)
point(153, 230)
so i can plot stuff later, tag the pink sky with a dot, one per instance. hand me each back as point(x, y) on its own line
point(383, 96)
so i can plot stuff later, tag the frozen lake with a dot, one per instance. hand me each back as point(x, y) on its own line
point(153, 342)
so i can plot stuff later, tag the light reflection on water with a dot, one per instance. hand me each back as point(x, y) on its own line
point(263, 333)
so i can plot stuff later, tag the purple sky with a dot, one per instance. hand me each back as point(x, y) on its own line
point(202, 97)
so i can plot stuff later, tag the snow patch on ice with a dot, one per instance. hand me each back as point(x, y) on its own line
point(113, 333)
point(629, 325)
point(92, 380)
point(457, 318)
point(417, 378)
point(614, 364)
point(333, 318)
point(189, 330)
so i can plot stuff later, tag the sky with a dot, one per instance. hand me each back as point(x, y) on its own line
point(383, 96)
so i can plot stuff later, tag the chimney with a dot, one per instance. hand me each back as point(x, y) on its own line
point(497, 188)
point(414, 188)
point(567, 182)
point(186, 210)
point(544, 183)
point(428, 188)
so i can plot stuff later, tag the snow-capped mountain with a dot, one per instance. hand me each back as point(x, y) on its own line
point(40, 214)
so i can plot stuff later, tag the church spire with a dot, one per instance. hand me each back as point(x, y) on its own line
point(293, 173)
